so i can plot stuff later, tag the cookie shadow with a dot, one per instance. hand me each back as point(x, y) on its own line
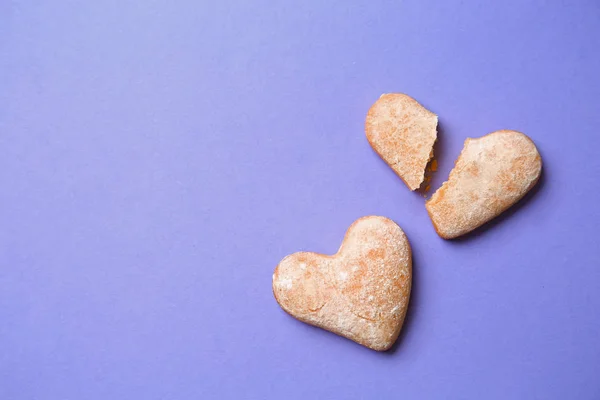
point(524, 202)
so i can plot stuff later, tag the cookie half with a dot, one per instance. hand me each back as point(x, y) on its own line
point(402, 132)
point(490, 175)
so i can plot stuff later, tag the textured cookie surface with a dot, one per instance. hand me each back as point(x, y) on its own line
point(361, 292)
point(491, 174)
point(402, 132)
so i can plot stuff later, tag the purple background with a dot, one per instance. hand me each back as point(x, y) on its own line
point(159, 157)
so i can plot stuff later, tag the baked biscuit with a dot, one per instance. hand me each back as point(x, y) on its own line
point(360, 293)
point(402, 132)
point(491, 174)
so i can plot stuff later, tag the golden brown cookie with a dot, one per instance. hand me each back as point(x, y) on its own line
point(491, 174)
point(402, 132)
point(361, 292)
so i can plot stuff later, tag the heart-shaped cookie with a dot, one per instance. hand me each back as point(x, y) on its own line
point(360, 293)
point(402, 132)
point(491, 174)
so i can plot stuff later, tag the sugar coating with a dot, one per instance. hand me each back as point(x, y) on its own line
point(361, 292)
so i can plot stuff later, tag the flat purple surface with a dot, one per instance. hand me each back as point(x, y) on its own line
point(159, 157)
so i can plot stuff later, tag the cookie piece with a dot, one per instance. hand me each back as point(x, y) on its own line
point(402, 132)
point(491, 174)
point(360, 293)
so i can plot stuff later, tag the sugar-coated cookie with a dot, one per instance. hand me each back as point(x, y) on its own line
point(361, 292)
point(491, 174)
point(402, 132)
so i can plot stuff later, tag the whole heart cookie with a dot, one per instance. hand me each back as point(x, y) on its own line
point(402, 132)
point(491, 174)
point(361, 292)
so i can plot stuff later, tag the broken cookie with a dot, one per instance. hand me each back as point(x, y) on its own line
point(491, 174)
point(402, 132)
